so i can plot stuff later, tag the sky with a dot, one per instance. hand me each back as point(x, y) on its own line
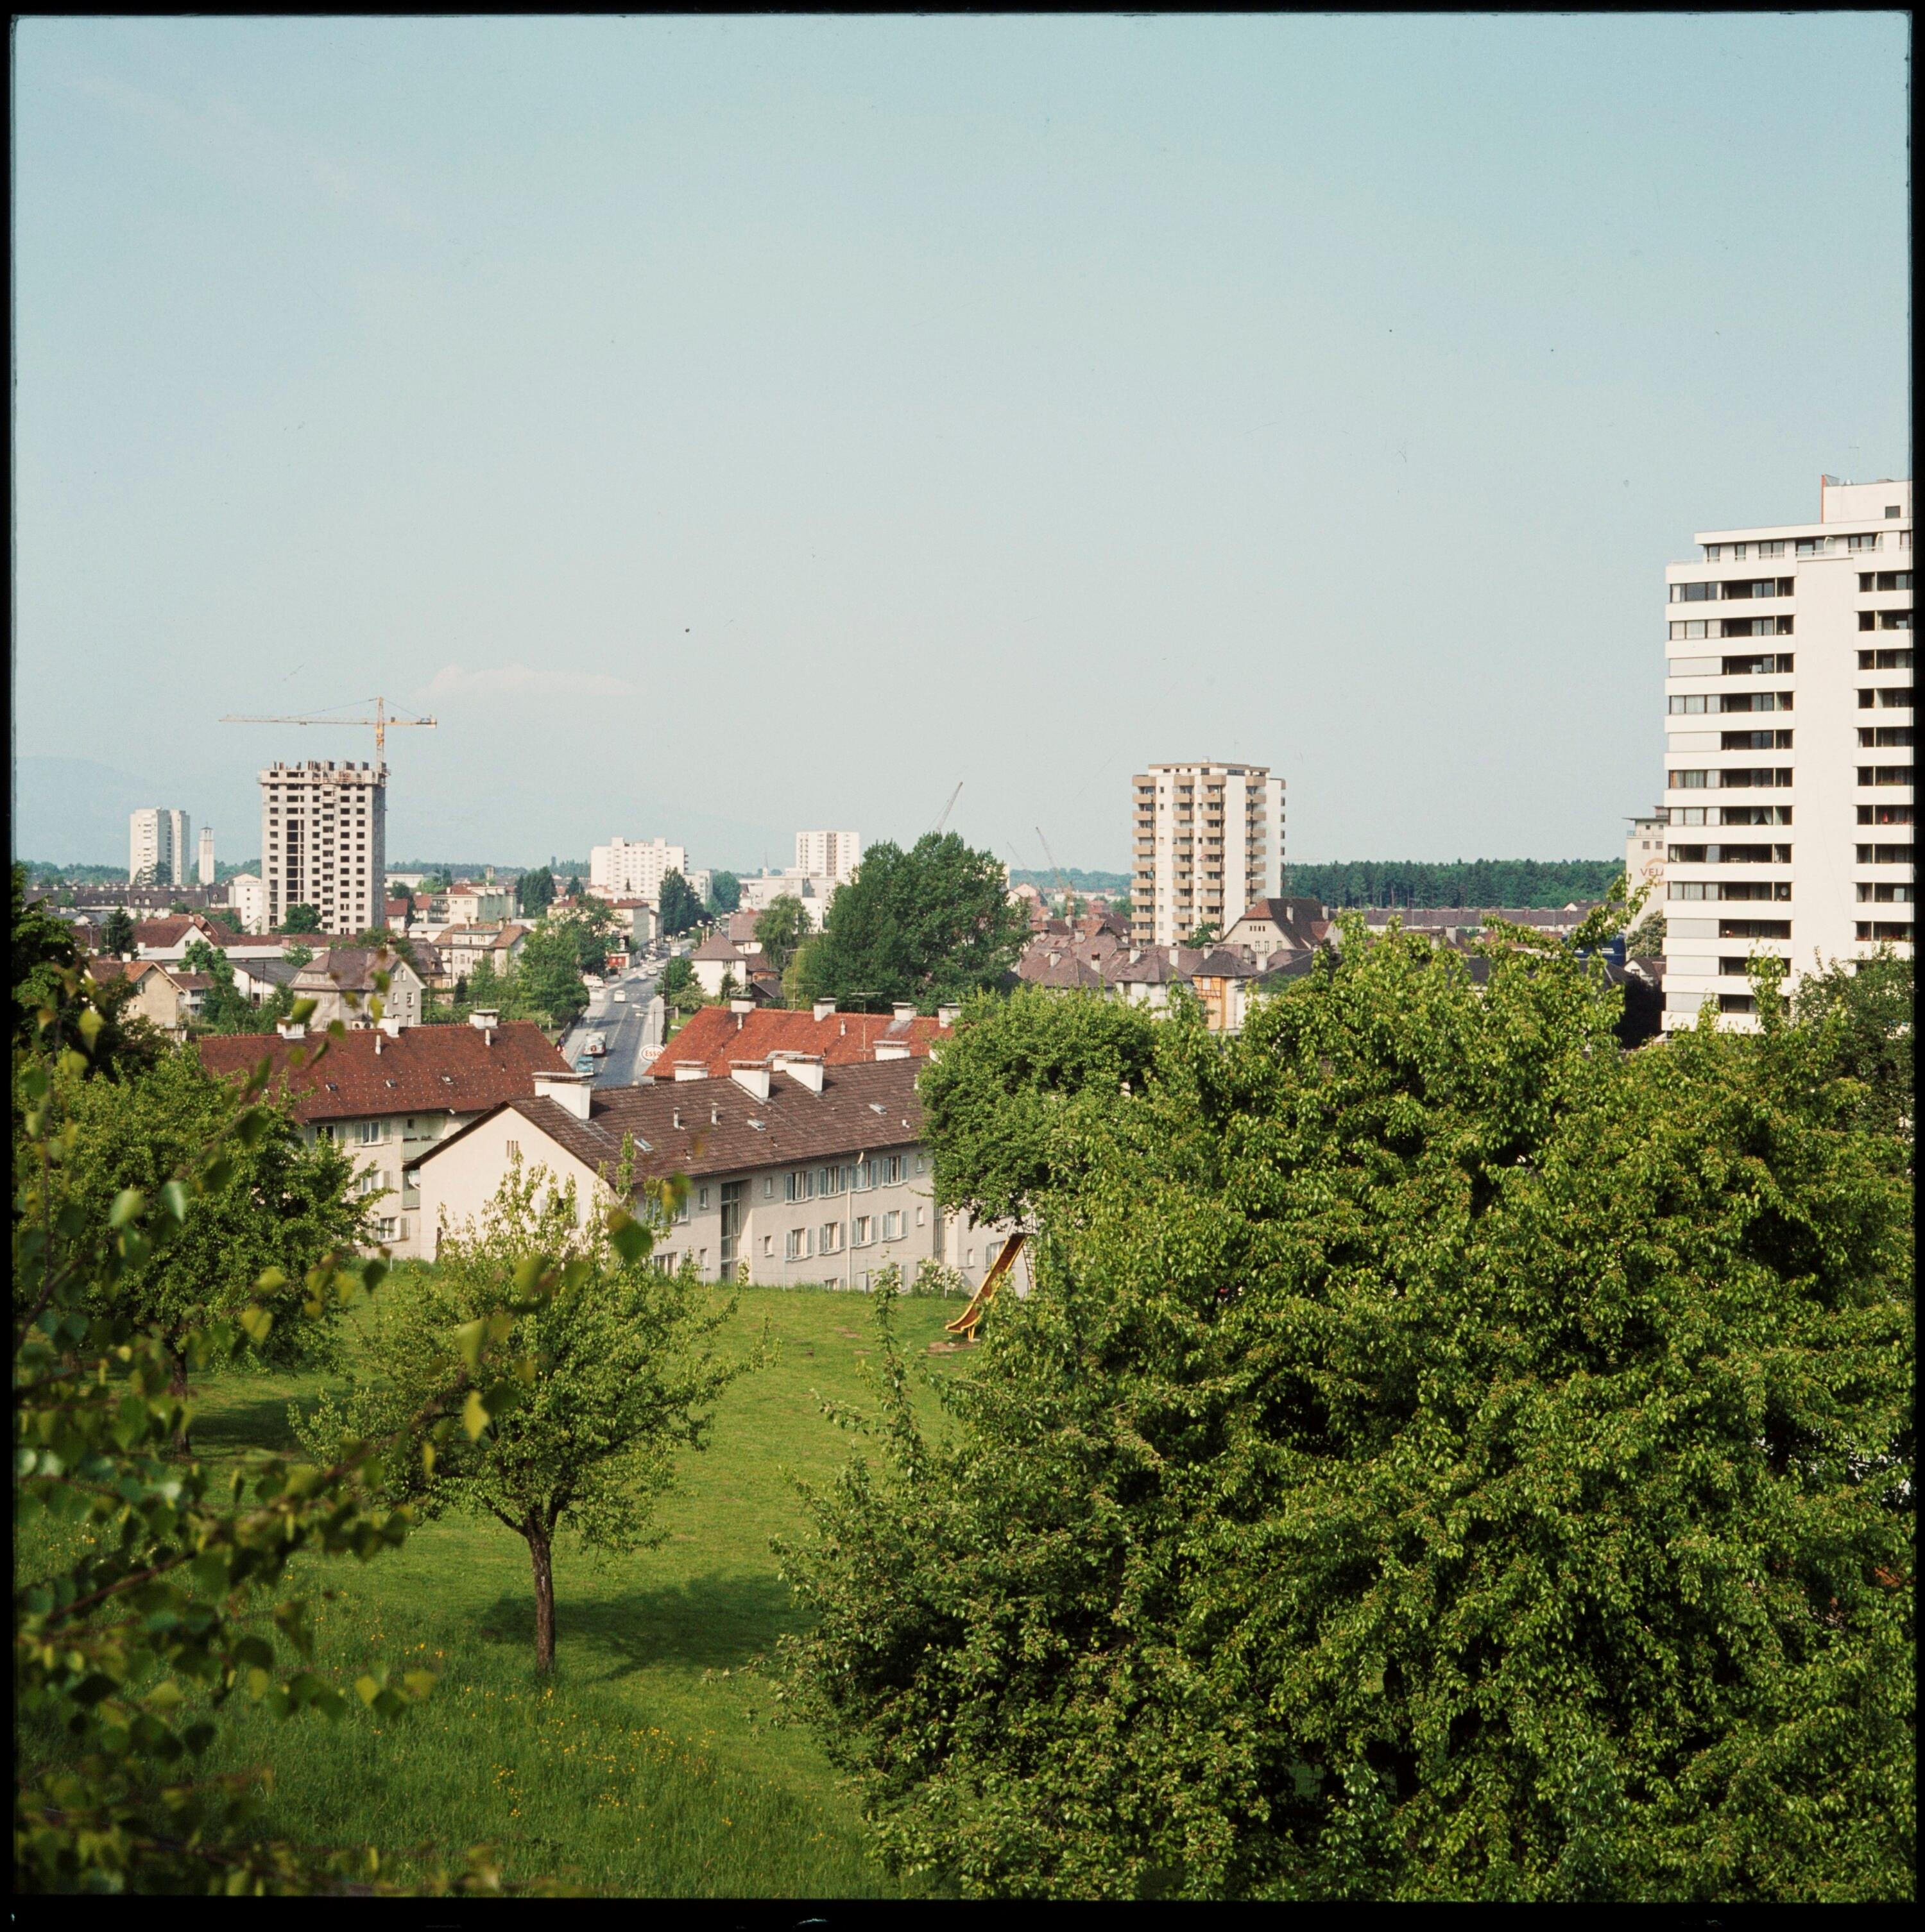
point(724, 426)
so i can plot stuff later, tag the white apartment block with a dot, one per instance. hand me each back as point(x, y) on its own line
point(1789, 757)
point(833, 856)
point(247, 901)
point(158, 847)
point(1209, 842)
point(1644, 862)
point(324, 842)
point(204, 870)
point(633, 868)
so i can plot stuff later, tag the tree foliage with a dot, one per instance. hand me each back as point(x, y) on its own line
point(146, 1589)
point(676, 907)
point(534, 891)
point(724, 892)
point(1864, 1011)
point(548, 974)
point(226, 1008)
point(1444, 1456)
point(301, 919)
point(46, 963)
point(1481, 882)
point(780, 929)
point(622, 1378)
point(930, 924)
point(117, 939)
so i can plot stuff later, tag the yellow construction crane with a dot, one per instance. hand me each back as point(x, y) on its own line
point(382, 720)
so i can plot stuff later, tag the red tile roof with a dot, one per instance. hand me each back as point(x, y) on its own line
point(424, 1069)
point(158, 932)
point(713, 1036)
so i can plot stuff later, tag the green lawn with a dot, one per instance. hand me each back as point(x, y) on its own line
point(648, 1766)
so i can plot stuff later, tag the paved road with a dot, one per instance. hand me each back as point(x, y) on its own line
point(620, 1023)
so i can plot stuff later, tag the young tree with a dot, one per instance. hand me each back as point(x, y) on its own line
point(1207, 934)
point(1443, 1456)
point(724, 892)
point(575, 888)
point(677, 908)
point(680, 990)
point(930, 924)
point(280, 1204)
point(782, 929)
point(534, 891)
point(593, 925)
point(297, 956)
point(118, 939)
point(301, 919)
point(623, 1379)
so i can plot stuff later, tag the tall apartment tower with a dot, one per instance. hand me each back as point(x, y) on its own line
point(324, 842)
point(828, 855)
point(204, 870)
point(158, 846)
point(1788, 771)
point(633, 868)
point(1209, 842)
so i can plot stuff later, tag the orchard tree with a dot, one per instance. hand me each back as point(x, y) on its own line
point(280, 1204)
point(623, 1379)
point(1443, 1456)
point(147, 1584)
point(927, 925)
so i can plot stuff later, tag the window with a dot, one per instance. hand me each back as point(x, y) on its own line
point(1754, 928)
point(1885, 855)
point(831, 1238)
point(799, 1244)
point(682, 1212)
point(1887, 660)
point(1887, 698)
point(1885, 815)
point(514, 1150)
point(768, 1187)
point(1885, 894)
point(1755, 701)
point(1775, 548)
point(1688, 706)
point(1693, 667)
point(800, 1184)
point(1892, 510)
point(829, 1181)
point(1871, 540)
point(1694, 628)
point(368, 1181)
point(1686, 781)
point(768, 1245)
point(1754, 627)
point(921, 1217)
point(1885, 775)
point(1884, 734)
point(1883, 928)
point(1737, 1002)
point(921, 1164)
point(388, 1228)
point(1754, 741)
point(862, 1232)
point(701, 1199)
point(367, 1132)
point(892, 1225)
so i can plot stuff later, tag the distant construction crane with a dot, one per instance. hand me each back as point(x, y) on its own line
point(942, 818)
point(382, 720)
point(1062, 884)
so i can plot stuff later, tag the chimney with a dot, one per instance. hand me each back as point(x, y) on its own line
point(292, 1029)
point(391, 1027)
point(805, 1070)
point(892, 1049)
point(738, 1007)
point(751, 1076)
point(903, 1010)
point(675, 1120)
point(691, 1069)
point(947, 1016)
point(377, 1043)
point(823, 1008)
point(715, 1114)
point(571, 1091)
point(482, 1017)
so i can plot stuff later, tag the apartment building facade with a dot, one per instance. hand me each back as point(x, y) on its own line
point(634, 868)
point(832, 856)
point(1208, 843)
point(324, 842)
point(158, 846)
point(1789, 755)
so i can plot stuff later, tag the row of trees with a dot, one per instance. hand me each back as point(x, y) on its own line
point(1444, 1456)
point(1481, 882)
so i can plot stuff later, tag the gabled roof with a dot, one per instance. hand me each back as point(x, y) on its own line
point(349, 968)
point(459, 1069)
point(713, 1036)
point(716, 1126)
point(717, 947)
point(157, 933)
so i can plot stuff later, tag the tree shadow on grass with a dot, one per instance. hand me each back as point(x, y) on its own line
point(712, 1622)
point(237, 1426)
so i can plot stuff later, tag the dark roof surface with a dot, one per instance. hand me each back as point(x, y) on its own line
point(422, 1069)
point(723, 1128)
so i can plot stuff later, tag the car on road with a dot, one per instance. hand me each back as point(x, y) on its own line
point(584, 1065)
point(594, 1044)
point(621, 997)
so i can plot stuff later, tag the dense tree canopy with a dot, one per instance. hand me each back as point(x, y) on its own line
point(1481, 882)
point(676, 907)
point(534, 891)
point(927, 925)
point(724, 892)
point(547, 977)
point(118, 939)
point(780, 929)
point(1444, 1456)
point(301, 919)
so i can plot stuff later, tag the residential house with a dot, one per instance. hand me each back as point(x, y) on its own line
point(470, 902)
point(167, 939)
point(719, 959)
point(464, 947)
point(340, 981)
point(798, 1172)
point(388, 1094)
point(164, 996)
point(1279, 925)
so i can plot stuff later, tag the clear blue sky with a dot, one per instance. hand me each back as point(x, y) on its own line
point(728, 426)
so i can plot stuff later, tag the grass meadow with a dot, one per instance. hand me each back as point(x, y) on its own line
point(647, 1765)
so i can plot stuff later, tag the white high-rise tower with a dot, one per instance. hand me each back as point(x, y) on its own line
point(1788, 756)
point(324, 843)
point(1208, 842)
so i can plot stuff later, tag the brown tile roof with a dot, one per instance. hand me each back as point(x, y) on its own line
point(715, 1036)
point(160, 932)
point(718, 947)
point(420, 1070)
point(351, 968)
point(725, 1129)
